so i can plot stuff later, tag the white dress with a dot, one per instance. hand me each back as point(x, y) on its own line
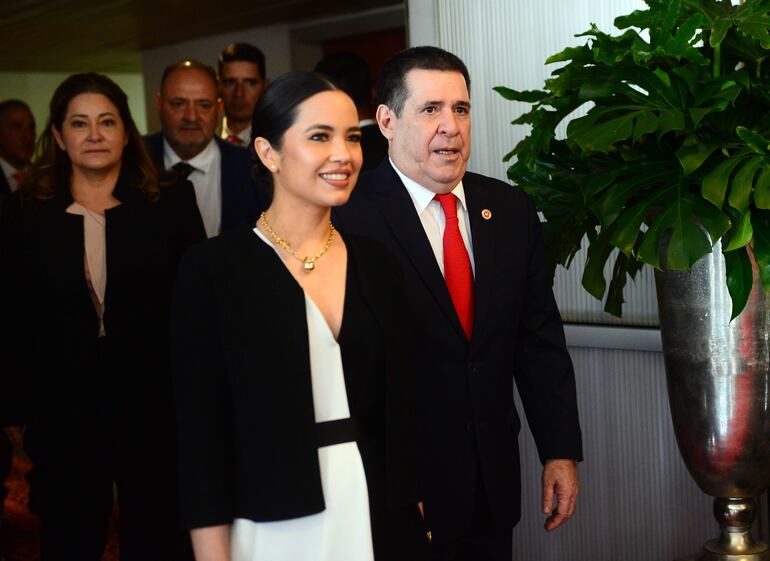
point(342, 532)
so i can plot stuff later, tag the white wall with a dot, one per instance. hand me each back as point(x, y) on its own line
point(36, 89)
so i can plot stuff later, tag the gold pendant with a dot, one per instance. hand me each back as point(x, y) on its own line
point(309, 265)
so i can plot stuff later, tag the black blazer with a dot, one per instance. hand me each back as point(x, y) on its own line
point(247, 440)
point(48, 325)
point(465, 390)
point(242, 198)
point(374, 147)
point(5, 189)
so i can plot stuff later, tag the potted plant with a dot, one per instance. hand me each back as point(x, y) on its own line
point(675, 144)
point(670, 165)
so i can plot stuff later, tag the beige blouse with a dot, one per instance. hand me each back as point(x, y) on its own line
point(95, 258)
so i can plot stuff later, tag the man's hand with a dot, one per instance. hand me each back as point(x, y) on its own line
point(560, 479)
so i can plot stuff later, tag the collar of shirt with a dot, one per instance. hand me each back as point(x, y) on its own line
point(8, 169)
point(202, 163)
point(244, 135)
point(9, 172)
point(433, 220)
point(422, 196)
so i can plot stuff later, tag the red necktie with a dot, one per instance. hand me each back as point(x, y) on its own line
point(457, 265)
point(233, 138)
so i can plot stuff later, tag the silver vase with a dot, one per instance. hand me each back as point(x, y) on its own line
point(717, 373)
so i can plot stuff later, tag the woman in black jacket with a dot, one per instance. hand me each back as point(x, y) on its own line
point(90, 248)
point(294, 395)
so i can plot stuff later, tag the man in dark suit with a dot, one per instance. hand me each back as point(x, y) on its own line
point(17, 143)
point(483, 313)
point(242, 79)
point(351, 74)
point(188, 106)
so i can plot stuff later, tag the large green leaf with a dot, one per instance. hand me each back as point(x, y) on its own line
point(688, 218)
point(593, 274)
point(762, 188)
point(638, 18)
point(754, 140)
point(718, 31)
point(693, 153)
point(743, 182)
point(714, 187)
point(741, 232)
point(756, 26)
point(671, 120)
point(570, 53)
point(624, 268)
point(533, 96)
point(739, 279)
point(627, 226)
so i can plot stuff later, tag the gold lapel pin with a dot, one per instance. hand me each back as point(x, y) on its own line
point(486, 214)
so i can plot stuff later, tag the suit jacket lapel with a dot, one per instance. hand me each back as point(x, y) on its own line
point(399, 212)
point(482, 232)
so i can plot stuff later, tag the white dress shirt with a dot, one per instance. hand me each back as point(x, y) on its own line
point(9, 171)
point(432, 217)
point(207, 181)
point(244, 135)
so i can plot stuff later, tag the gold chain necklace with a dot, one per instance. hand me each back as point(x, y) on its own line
point(308, 263)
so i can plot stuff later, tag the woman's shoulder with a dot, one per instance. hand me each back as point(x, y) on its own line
point(229, 245)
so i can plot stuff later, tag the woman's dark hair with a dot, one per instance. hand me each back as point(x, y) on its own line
point(52, 167)
point(277, 108)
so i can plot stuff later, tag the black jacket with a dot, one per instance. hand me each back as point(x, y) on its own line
point(243, 388)
point(466, 414)
point(48, 325)
point(242, 198)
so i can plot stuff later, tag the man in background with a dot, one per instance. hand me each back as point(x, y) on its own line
point(17, 143)
point(188, 107)
point(351, 74)
point(241, 72)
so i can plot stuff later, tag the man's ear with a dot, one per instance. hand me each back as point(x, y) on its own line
point(386, 120)
point(266, 154)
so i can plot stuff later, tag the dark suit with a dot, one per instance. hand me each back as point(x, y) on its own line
point(6, 449)
point(5, 189)
point(243, 385)
point(374, 147)
point(465, 390)
point(242, 198)
point(96, 408)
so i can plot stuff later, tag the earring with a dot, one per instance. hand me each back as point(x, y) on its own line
point(273, 168)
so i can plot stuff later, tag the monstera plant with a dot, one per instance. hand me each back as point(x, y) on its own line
point(673, 154)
